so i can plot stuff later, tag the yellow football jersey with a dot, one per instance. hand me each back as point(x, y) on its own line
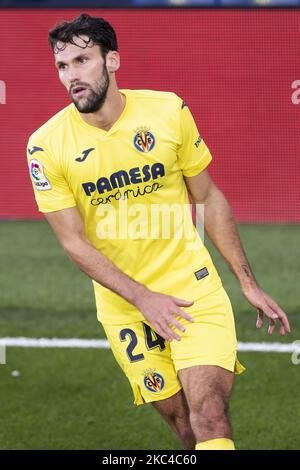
point(128, 185)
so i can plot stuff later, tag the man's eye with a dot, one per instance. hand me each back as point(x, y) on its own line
point(61, 67)
point(82, 60)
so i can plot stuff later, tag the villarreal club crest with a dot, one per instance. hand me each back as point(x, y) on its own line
point(144, 140)
point(153, 381)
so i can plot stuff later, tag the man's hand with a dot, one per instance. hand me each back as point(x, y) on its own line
point(267, 307)
point(160, 310)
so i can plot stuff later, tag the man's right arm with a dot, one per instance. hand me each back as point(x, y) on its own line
point(158, 309)
point(69, 230)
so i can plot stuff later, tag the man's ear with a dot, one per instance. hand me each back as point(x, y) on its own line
point(112, 61)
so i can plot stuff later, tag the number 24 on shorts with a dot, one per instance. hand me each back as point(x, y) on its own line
point(152, 340)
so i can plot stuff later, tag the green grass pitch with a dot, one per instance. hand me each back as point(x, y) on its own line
point(79, 399)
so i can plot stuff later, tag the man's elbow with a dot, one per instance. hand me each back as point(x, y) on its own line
point(73, 244)
point(206, 195)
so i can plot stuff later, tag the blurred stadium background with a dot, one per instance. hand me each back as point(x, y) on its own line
point(238, 70)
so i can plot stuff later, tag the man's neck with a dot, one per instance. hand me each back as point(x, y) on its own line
point(110, 112)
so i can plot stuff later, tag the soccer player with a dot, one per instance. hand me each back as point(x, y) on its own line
point(112, 172)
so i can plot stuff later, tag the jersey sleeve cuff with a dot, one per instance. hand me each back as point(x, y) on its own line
point(200, 166)
point(44, 208)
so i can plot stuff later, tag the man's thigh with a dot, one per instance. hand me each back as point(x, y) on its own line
point(145, 358)
point(206, 386)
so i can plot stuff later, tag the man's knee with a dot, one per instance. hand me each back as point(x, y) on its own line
point(209, 412)
point(180, 423)
point(173, 409)
point(178, 418)
point(176, 413)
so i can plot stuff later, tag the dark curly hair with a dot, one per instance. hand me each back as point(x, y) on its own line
point(96, 29)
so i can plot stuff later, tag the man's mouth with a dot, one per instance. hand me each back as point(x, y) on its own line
point(78, 90)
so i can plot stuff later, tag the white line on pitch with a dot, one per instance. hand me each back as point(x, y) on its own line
point(55, 343)
point(22, 342)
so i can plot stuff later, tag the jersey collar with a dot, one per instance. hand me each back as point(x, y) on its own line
point(96, 130)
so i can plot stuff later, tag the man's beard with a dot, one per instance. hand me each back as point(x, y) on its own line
point(96, 98)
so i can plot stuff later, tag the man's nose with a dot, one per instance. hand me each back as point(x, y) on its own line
point(73, 75)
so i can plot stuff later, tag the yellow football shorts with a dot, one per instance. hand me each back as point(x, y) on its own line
point(151, 363)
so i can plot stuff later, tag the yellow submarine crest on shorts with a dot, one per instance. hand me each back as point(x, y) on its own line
point(153, 381)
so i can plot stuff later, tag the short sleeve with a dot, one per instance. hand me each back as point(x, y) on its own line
point(51, 190)
point(193, 154)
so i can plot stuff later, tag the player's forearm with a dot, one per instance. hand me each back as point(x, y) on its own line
point(221, 229)
point(99, 268)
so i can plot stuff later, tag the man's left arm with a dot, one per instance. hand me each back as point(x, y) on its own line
point(221, 228)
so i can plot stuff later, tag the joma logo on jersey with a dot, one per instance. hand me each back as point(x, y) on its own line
point(35, 149)
point(122, 178)
point(84, 154)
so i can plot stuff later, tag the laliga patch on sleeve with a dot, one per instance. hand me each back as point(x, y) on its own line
point(203, 272)
point(38, 175)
